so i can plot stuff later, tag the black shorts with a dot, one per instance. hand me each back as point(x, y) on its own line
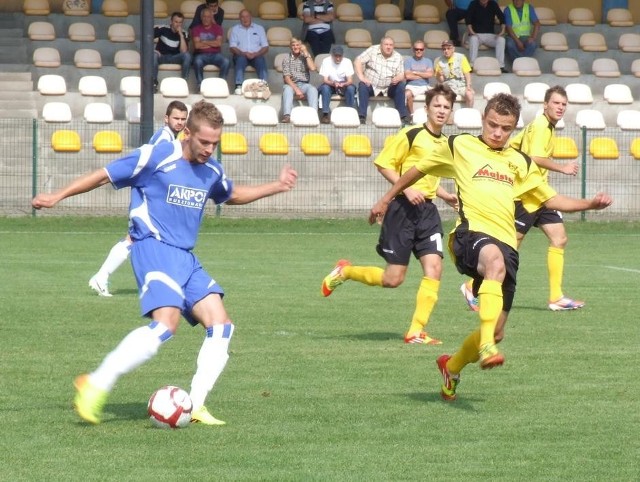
point(465, 247)
point(526, 220)
point(407, 229)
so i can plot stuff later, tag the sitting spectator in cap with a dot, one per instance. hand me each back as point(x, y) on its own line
point(218, 13)
point(317, 30)
point(380, 70)
point(296, 73)
point(337, 78)
point(417, 71)
point(453, 69)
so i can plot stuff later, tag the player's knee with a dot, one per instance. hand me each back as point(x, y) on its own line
point(392, 281)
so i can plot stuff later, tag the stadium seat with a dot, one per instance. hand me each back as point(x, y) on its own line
point(115, 8)
point(76, 8)
point(579, 93)
point(189, 7)
point(628, 120)
point(554, 42)
point(565, 148)
point(52, 84)
point(279, 59)
point(581, 17)
point(87, 59)
point(603, 148)
point(426, 14)
point(274, 143)
point(358, 38)
point(433, 38)
point(526, 67)
point(263, 115)
point(271, 10)
point(233, 143)
point(98, 112)
point(279, 36)
point(467, 118)
point(127, 59)
point(232, 9)
point(356, 145)
point(214, 87)
point(349, 12)
point(121, 32)
point(343, 116)
point(546, 16)
point(304, 116)
point(619, 17)
point(635, 148)
point(107, 142)
point(419, 117)
point(160, 9)
point(41, 31)
point(56, 112)
point(66, 141)
point(92, 85)
point(130, 86)
point(618, 94)
point(401, 38)
point(228, 114)
point(605, 67)
point(387, 13)
point(593, 42)
point(565, 67)
point(133, 113)
point(629, 42)
point(174, 87)
point(590, 119)
point(82, 32)
point(534, 92)
point(46, 57)
point(486, 66)
point(635, 67)
point(315, 145)
point(493, 88)
point(386, 117)
point(36, 7)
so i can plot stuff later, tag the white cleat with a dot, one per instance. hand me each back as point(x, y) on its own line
point(100, 286)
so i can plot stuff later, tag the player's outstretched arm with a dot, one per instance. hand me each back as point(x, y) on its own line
point(249, 193)
point(568, 204)
point(570, 168)
point(406, 180)
point(85, 183)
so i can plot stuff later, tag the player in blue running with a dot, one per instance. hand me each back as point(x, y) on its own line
point(170, 185)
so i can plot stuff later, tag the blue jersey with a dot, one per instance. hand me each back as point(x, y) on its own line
point(168, 193)
point(161, 135)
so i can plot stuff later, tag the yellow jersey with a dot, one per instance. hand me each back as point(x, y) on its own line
point(537, 139)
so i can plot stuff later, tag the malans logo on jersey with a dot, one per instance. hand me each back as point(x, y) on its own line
point(186, 196)
point(487, 172)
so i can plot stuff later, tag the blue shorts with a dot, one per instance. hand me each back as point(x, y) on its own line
point(169, 276)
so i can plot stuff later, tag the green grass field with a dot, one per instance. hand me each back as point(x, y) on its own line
point(321, 389)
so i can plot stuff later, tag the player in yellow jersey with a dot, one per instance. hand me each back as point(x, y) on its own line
point(413, 223)
point(489, 175)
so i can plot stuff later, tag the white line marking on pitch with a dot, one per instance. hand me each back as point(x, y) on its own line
point(623, 269)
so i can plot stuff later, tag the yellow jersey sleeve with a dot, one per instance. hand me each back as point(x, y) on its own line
point(536, 140)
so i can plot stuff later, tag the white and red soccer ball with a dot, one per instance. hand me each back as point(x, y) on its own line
point(170, 407)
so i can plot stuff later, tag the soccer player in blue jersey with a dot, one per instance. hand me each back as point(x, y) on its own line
point(170, 185)
point(174, 121)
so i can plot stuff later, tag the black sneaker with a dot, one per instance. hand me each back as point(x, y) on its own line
point(155, 86)
point(363, 120)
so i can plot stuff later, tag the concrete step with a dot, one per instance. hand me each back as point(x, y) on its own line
point(11, 33)
point(23, 76)
point(14, 55)
point(16, 85)
point(18, 104)
point(18, 114)
point(17, 95)
point(14, 67)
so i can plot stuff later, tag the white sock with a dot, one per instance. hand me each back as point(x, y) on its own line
point(212, 359)
point(136, 348)
point(118, 255)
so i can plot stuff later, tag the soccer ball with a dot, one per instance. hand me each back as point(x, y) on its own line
point(170, 407)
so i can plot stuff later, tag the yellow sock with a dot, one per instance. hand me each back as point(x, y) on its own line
point(490, 302)
point(368, 275)
point(555, 266)
point(426, 299)
point(468, 353)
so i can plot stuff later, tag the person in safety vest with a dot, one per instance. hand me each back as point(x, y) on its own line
point(522, 26)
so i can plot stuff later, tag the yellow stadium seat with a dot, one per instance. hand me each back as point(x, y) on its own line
point(635, 148)
point(36, 7)
point(349, 12)
point(387, 13)
point(107, 141)
point(115, 8)
point(160, 9)
point(271, 11)
point(232, 9)
point(603, 148)
point(274, 143)
point(426, 14)
point(358, 38)
point(66, 141)
point(565, 148)
point(233, 143)
point(315, 145)
point(356, 145)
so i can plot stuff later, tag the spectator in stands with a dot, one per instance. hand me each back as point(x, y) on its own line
point(296, 73)
point(522, 26)
point(317, 30)
point(249, 46)
point(453, 69)
point(172, 47)
point(417, 71)
point(380, 70)
point(456, 11)
point(408, 8)
point(214, 6)
point(337, 78)
point(481, 18)
point(207, 43)
point(368, 8)
point(292, 9)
